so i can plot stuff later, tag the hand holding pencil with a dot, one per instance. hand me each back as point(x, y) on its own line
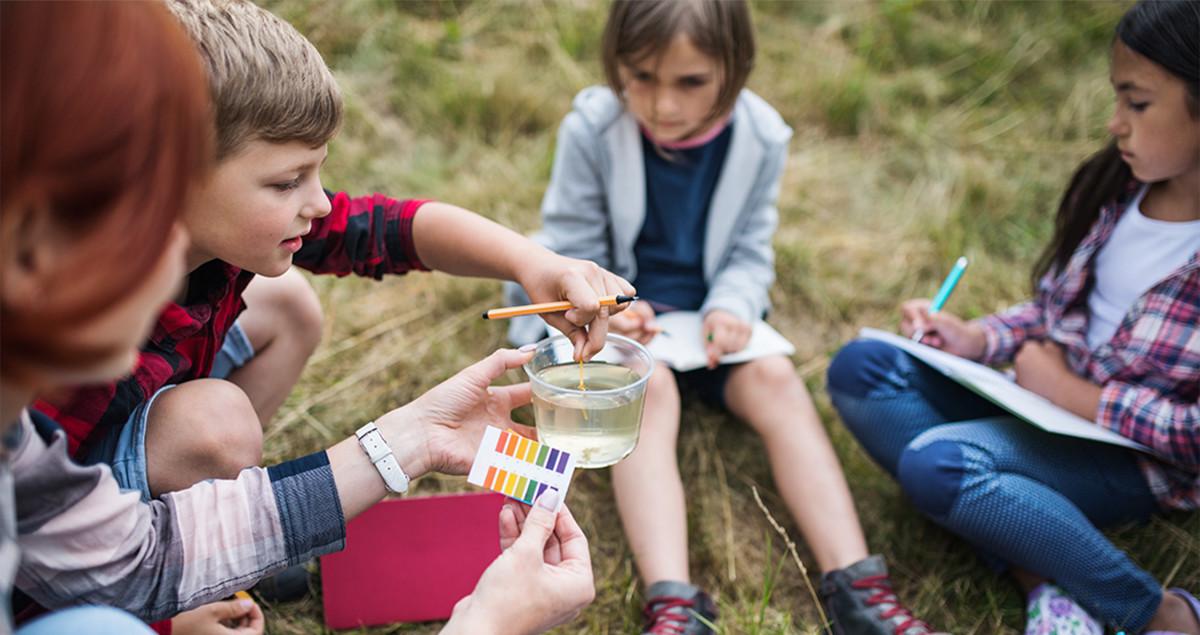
point(943, 330)
point(549, 307)
point(573, 296)
point(924, 321)
point(943, 294)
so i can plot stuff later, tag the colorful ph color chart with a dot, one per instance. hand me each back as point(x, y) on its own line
point(519, 467)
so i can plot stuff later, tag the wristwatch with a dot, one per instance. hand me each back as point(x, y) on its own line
point(373, 443)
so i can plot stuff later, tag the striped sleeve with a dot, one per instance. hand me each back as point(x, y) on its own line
point(84, 541)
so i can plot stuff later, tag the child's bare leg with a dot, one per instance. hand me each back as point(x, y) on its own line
point(769, 395)
point(1174, 615)
point(649, 491)
point(283, 322)
point(201, 429)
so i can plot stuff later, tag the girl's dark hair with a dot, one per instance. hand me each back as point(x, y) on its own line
point(722, 29)
point(1166, 32)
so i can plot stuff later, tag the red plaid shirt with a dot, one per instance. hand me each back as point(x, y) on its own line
point(1149, 370)
point(368, 236)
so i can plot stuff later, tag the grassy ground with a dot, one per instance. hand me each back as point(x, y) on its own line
point(923, 131)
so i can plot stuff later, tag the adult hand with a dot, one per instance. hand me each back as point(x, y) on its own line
point(231, 617)
point(723, 333)
point(942, 330)
point(553, 278)
point(444, 427)
point(636, 322)
point(542, 579)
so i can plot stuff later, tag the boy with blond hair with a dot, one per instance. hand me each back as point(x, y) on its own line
point(225, 354)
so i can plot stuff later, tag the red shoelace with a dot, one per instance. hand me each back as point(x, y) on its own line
point(886, 595)
point(661, 621)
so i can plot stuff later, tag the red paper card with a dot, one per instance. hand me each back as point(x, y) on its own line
point(410, 560)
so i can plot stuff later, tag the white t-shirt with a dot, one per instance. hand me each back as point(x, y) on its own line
point(1140, 252)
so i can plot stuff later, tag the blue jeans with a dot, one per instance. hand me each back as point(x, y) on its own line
point(95, 620)
point(124, 447)
point(1019, 495)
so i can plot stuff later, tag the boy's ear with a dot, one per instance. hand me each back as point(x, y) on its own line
point(27, 257)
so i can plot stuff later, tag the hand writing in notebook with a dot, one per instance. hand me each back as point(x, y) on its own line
point(942, 330)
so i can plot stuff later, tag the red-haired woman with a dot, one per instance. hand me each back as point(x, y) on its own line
point(105, 127)
point(104, 136)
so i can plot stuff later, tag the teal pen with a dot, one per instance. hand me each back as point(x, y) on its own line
point(938, 300)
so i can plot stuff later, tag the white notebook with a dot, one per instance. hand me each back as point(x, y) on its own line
point(681, 344)
point(1004, 392)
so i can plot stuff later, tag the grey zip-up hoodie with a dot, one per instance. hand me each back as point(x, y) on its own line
point(595, 204)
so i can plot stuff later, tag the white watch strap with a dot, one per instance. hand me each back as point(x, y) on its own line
point(373, 443)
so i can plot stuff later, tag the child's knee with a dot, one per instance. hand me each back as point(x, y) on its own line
point(209, 422)
point(302, 306)
point(932, 476)
point(860, 366)
point(774, 372)
point(661, 385)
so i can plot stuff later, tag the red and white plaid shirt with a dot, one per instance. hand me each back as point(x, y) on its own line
point(1149, 371)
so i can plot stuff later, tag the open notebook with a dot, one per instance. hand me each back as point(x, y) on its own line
point(1005, 393)
point(681, 344)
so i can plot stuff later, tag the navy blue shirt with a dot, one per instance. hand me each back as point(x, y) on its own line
point(670, 247)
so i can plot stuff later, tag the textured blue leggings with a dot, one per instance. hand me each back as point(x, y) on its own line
point(1020, 496)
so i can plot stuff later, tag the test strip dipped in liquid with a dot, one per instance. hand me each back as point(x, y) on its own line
point(582, 387)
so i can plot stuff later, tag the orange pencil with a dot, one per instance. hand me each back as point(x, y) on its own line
point(550, 307)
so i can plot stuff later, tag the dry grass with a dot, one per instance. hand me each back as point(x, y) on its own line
point(924, 131)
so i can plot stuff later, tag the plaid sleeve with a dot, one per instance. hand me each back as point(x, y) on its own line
point(367, 236)
point(1007, 330)
point(1170, 428)
point(84, 541)
point(1154, 396)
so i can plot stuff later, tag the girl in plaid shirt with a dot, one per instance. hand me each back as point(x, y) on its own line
point(1111, 335)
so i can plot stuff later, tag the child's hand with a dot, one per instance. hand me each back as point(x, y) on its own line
point(553, 278)
point(636, 322)
point(1041, 367)
point(723, 333)
point(942, 330)
point(231, 617)
point(542, 579)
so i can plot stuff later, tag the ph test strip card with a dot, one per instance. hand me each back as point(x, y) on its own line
point(519, 467)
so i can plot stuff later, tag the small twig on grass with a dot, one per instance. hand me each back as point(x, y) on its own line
point(321, 428)
point(791, 546)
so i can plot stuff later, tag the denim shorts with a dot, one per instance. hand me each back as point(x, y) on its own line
point(708, 385)
point(124, 447)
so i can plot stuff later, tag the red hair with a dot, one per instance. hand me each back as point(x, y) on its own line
point(106, 130)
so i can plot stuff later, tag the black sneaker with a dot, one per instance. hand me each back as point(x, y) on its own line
point(289, 585)
point(678, 608)
point(859, 600)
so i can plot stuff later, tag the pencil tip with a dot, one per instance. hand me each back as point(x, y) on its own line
point(485, 315)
